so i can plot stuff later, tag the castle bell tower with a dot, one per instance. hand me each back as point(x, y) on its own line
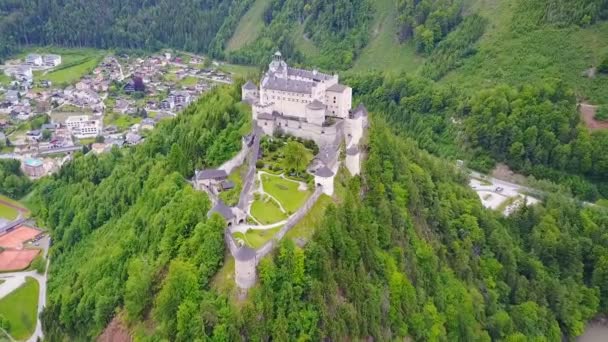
point(278, 67)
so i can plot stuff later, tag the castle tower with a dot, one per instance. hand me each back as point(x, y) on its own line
point(278, 67)
point(353, 160)
point(325, 177)
point(244, 267)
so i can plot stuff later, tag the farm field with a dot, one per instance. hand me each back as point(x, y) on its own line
point(285, 191)
point(20, 308)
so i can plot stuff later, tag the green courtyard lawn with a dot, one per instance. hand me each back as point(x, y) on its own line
point(285, 191)
point(267, 211)
point(256, 238)
point(20, 309)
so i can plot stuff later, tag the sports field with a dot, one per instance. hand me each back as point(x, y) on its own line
point(16, 260)
point(20, 308)
point(16, 238)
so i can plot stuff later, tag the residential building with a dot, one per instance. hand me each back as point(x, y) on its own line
point(82, 126)
point(51, 60)
point(33, 59)
point(33, 167)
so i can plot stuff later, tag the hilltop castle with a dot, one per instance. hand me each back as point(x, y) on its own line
point(308, 104)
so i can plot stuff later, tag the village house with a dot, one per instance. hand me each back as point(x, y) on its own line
point(51, 60)
point(33, 59)
point(210, 177)
point(82, 126)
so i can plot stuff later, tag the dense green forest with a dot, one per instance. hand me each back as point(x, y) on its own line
point(407, 251)
point(13, 182)
point(418, 256)
point(427, 21)
point(338, 28)
point(189, 25)
point(127, 225)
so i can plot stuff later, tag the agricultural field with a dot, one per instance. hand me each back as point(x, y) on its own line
point(285, 191)
point(20, 308)
point(249, 27)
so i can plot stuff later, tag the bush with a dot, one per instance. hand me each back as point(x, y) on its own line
point(4, 323)
point(603, 67)
point(259, 164)
point(602, 113)
point(38, 264)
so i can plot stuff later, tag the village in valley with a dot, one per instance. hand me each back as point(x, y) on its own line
point(52, 104)
point(55, 104)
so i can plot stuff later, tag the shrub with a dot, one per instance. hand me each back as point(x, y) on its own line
point(603, 67)
point(38, 264)
point(602, 113)
point(259, 164)
point(4, 323)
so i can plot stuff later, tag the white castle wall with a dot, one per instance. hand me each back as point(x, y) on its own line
point(339, 103)
point(354, 129)
point(326, 183)
point(353, 164)
point(236, 161)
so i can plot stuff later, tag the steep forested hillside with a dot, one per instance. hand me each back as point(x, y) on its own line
point(409, 251)
point(127, 225)
point(417, 256)
point(189, 25)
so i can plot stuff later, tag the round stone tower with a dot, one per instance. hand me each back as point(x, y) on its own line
point(244, 267)
point(325, 177)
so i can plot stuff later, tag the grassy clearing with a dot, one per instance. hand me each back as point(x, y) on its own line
point(306, 227)
point(529, 57)
point(383, 52)
point(10, 213)
point(256, 238)
point(305, 45)
point(231, 197)
point(244, 71)
point(7, 212)
point(121, 121)
point(4, 80)
point(267, 211)
point(249, 27)
point(20, 309)
point(223, 281)
point(188, 81)
point(285, 191)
